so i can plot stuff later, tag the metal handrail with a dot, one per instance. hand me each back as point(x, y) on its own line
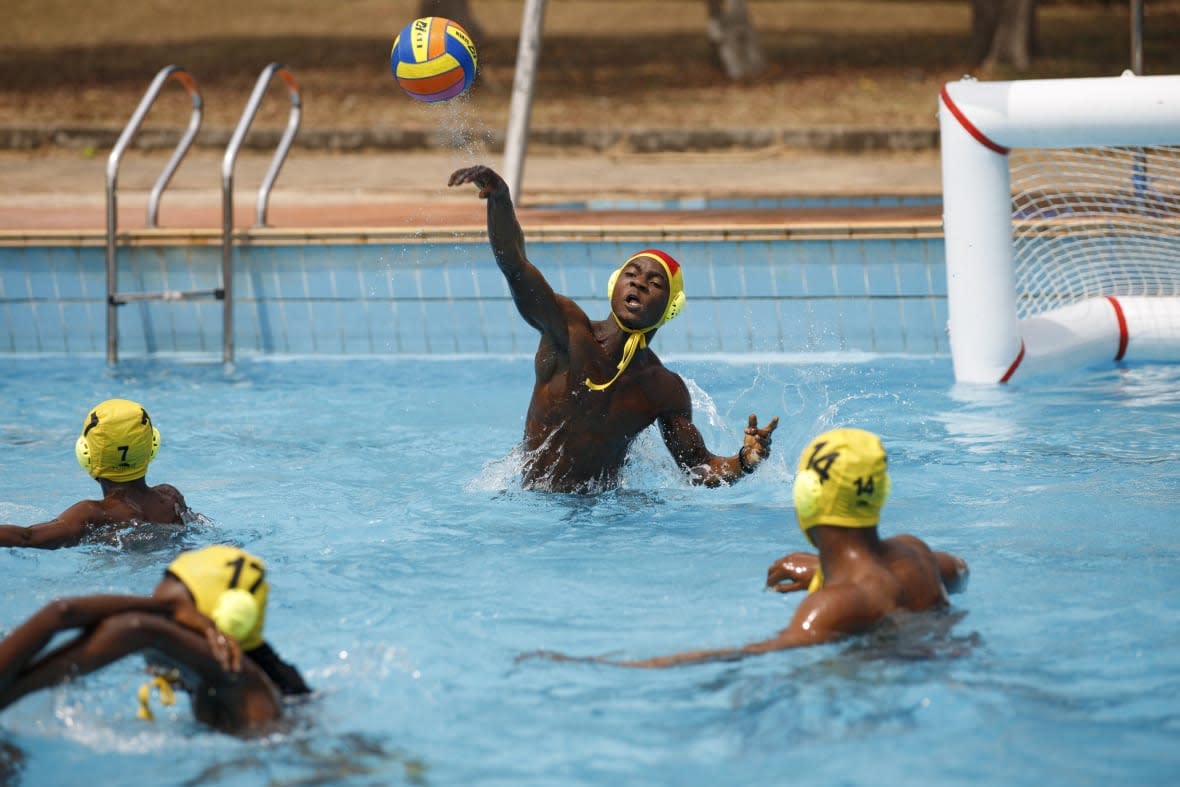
point(113, 162)
point(227, 179)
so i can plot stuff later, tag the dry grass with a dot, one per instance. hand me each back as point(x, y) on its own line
point(605, 63)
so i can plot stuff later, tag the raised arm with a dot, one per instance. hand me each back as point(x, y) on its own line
point(534, 298)
point(120, 626)
point(687, 447)
point(67, 529)
point(26, 640)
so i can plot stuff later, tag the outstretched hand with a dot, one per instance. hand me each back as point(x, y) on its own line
point(485, 178)
point(792, 572)
point(756, 443)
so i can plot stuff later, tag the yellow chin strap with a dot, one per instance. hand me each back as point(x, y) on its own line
point(163, 687)
point(635, 342)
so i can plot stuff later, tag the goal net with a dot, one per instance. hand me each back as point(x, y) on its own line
point(1061, 217)
point(1092, 222)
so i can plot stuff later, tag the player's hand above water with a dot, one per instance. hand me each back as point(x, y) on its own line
point(792, 572)
point(756, 443)
point(485, 178)
point(225, 649)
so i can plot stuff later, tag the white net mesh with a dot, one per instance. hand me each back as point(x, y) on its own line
point(1092, 222)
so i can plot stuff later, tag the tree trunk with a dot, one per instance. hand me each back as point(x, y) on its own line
point(457, 10)
point(732, 32)
point(1003, 32)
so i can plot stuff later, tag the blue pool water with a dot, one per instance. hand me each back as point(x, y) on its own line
point(409, 572)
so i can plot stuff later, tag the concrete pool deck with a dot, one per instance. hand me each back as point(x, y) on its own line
point(63, 189)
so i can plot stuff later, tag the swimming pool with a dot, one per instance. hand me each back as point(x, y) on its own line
point(828, 287)
point(409, 572)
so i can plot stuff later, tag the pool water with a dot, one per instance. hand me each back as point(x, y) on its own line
point(409, 572)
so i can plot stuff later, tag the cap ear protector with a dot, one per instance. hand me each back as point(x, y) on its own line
point(236, 613)
point(806, 493)
point(82, 453)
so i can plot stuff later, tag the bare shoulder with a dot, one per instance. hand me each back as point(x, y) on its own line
point(666, 387)
point(839, 610)
point(89, 512)
point(169, 492)
point(574, 315)
point(169, 506)
point(909, 542)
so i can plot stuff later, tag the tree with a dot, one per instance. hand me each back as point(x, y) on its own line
point(732, 32)
point(458, 10)
point(1003, 32)
point(729, 28)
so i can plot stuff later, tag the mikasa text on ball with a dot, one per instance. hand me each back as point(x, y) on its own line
point(433, 59)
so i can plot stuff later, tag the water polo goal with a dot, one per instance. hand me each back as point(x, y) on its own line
point(1061, 202)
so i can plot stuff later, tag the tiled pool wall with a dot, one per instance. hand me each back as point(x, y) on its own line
point(406, 296)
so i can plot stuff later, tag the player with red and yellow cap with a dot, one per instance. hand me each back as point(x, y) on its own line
point(598, 384)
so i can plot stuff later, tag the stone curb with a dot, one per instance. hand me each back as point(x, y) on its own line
point(635, 140)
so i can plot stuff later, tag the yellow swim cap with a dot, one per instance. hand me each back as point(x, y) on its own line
point(211, 572)
point(638, 340)
point(842, 480)
point(118, 441)
point(236, 613)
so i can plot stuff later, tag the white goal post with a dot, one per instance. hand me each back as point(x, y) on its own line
point(1080, 261)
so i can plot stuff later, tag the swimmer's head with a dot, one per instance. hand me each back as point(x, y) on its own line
point(842, 480)
point(637, 340)
point(236, 613)
point(672, 272)
point(117, 442)
point(215, 576)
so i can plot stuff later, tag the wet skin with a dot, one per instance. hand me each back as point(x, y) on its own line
point(577, 439)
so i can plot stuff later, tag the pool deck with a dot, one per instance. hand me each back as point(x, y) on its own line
point(66, 190)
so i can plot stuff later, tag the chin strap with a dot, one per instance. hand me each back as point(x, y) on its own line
point(635, 342)
point(817, 580)
point(163, 687)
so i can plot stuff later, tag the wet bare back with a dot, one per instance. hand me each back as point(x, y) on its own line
point(133, 501)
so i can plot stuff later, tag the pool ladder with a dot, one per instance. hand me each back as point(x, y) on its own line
point(224, 293)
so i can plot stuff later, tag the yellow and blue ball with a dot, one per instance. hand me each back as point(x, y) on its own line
point(433, 59)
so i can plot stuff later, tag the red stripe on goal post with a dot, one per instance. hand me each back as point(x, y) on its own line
point(1122, 318)
point(970, 128)
point(1012, 369)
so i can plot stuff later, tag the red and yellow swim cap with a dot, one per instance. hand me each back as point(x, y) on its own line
point(638, 338)
point(676, 296)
